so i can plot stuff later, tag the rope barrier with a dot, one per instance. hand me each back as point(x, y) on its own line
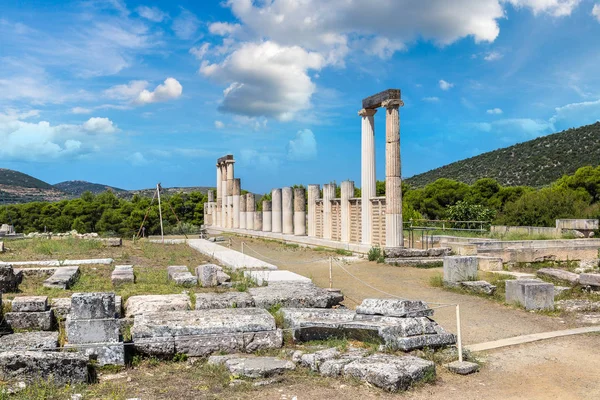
point(281, 261)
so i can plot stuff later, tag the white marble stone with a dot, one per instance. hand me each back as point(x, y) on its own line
point(287, 210)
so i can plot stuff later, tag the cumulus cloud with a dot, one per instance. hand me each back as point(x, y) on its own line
point(576, 114)
point(265, 79)
point(153, 14)
point(303, 146)
point(99, 125)
point(596, 11)
point(255, 159)
point(493, 56)
point(137, 159)
point(127, 91)
point(445, 85)
point(432, 99)
point(223, 28)
point(556, 8)
point(170, 89)
point(219, 125)
point(495, 111)
point(185, 25)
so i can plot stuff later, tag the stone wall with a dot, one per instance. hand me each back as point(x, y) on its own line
point(355, 221)
point(526, 230)
point(336, 219)
point(378, 230)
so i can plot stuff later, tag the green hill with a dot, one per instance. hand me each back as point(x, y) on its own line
point(15, 178)
point(534, 163)
point(77, 188)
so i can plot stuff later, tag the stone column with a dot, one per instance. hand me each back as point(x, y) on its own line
point(313, 196)
point(328, 195)
point(258, 221)
point(250, 210)
point(219, 205)
point(347, 193)
point(211, 199)
point(300, 212)
point(243, 212)
point(229, 167)
point(276, 214)
point(224, 195)
point(393, 180)
point(267, 216)
point(236, 203)
point(368, 181)
point(287, 210)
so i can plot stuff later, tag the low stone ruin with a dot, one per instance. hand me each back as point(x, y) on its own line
point(30, 313)
point(62, 367)
point(181, 275)
point(122, 274)
point(211, 275)
point(63, 278)
point(530, 293)
point(146, 304)
point(461, 272)
point(9, 280)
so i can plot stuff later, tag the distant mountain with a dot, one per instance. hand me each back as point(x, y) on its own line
point(17, 187)
point(164, 192)
point(77, 188)
point(16, 178)
point(536, 163)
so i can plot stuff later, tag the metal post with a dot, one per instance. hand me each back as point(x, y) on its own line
point(458, 336)
point(242, 247)
point(330, 273)
point(162, 235)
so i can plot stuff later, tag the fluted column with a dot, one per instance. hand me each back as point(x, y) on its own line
point(276, 213)
point(313, 196)
point(368, 180)
point(243, 211)
point(328, 195)
point(393, 180)
point(267, 216)
point(219, 205)
point(236, 203)
point(347, 193)
point(210, 200)
point(250, 210)
point(223, 195)
point(287, 210)
point(230, 175)
point(300, 211)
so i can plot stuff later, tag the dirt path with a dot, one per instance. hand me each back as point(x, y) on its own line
point(564, 368)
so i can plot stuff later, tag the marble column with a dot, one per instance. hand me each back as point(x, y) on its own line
point(368, 181)
point(250, 210)
point(328, 195)
point(219, 205)
point(276, 225)
point(224, 195)
point(229, 166)
point(299, 211)
point(243, 211)
point(313, 196)
point(393, 180)
point(236, 203)
point(211, 199)
point(287, 210)
point(267, 216)
point(258, 221)
point(346, 195)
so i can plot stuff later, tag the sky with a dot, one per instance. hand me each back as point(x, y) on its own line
point(132, 93)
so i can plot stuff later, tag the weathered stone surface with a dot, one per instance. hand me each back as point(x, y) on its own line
point(390, 373)
point(36, 272)
point(268, 277)
point(176, 269)
point(531, 294)
point(1, 247)
point(122, 274)
point(91, 330)
point(253, 367)
point(335, 367)
point(101, 353)
point(223, 300)
point(39, 321)
point(404, 252)
point(222, 277)
point(207, 275)
point(92, 305)
point(462, 368)
point(578, 306)
point(588, 265)
point(482, 287)
point(61, 367)
point(137, 305)
point(61, 306)
point(9, 281)
point(559, 275)
point(29, 341)
point(376, 100)
point(394, 308)
point(560, 289)
point(314, 360)
point(202, 332)
point(592, 280)
point(490, 263)
point(294, 295)
point(113, 242)
point(29, 304)
point(63, 278)
point(460, 268)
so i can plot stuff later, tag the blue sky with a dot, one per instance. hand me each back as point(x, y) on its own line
point(131, 93)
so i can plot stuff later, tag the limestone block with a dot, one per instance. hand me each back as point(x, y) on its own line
point(314, 360)
point(389, 372)
point(253, 367)
point(9, 281)
point(175, 269)
point(592, 280)
point(463, 249)
point(30, 341)
point(462, 368)
point(335, 367)
point(207, 275)
point(223, 300)
point(29, 304)
point(92, 330)
point(40, 321)
point(122, 274)
point(185, 279)
point(294, 295)
point(482, 287)
point(63, 278)
point(264, 277)
point(531, 294)
point(137, 305)
point(61, 306)
point(101, 353)
point(62, 367)
point(559, 275)
point(1, 247)
point(92, 305)
point(394, 308)
point(113, 242)
point(460, 268)
point(490, 263)
point(222, 277)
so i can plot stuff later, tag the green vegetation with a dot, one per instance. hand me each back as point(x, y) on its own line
point(534, 163)
point(16, 178)
point(376, 254)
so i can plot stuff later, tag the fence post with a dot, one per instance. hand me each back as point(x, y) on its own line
point(242, 247)
point(458, 335)
point(330, 273)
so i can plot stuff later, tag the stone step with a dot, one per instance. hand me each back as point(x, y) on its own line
point(61, 367)
point(63, 278)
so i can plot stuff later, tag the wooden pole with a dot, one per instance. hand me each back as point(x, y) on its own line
point(330, 273)
point(162, 235)
point(458, 336)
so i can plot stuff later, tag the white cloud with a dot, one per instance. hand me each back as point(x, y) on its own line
point(135, 92)
point(596, 11)
point(493, 56)
point(126, 92)
point(303, 146)
point(153, 14)
point(556, 8)
point(99, 125)
point(445, 85)
point(251, 158)
point(266, 79)
point(495, 111)
point(432, 99)
point(576, 114)
point(200, 52)
point(219, 125)
point(137, 159)
point(517, 126)
point(80, 110)
point(185, 25)
point(223, 28)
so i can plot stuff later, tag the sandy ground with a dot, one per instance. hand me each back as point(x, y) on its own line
point(563, 368)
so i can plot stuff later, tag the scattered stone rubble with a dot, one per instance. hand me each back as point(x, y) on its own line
point(9, 280)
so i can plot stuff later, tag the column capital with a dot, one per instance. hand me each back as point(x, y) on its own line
point(367, 112)
point(392, 103)
point(229, 161)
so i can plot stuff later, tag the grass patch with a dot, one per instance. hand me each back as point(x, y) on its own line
point(42, 390)
point(343, 252)
point(431, 265)
point(436, 280)
point(339, 343)
point(275, 311)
